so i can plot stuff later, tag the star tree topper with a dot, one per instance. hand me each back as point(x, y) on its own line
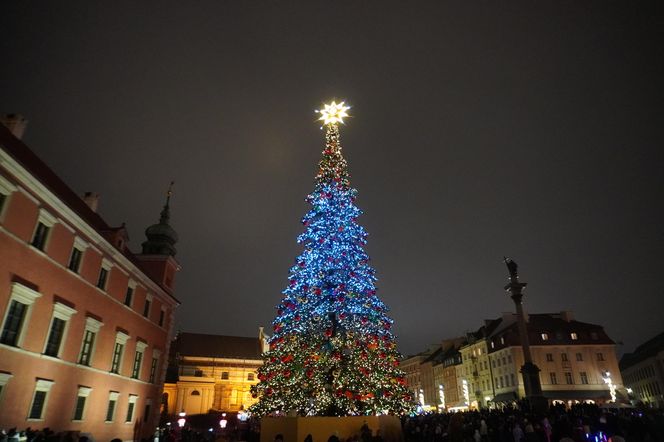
point(333, 113)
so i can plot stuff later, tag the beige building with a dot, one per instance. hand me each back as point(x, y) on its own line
point(577, 360)
point(476, 370)
point(212, 373)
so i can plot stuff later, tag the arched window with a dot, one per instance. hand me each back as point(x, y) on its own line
point(250, 376)
point(195, 393)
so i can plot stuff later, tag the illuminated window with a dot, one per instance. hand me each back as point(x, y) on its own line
point(574, 336)
point(545, 336)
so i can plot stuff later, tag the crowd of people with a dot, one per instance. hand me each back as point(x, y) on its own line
point(580, 423)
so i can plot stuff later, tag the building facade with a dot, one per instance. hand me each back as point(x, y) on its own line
point(577, 360)
point(643, 372)
point(212, 373)
point(85, 325)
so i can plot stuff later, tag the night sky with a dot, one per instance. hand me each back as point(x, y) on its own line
point(479, 129)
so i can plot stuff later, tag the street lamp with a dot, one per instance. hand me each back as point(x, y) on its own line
point(182, 419)
point(223, 422)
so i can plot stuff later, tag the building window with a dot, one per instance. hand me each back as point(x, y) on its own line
point(549, 357)
point(146, 306)
point(579, 357)
point(162, 314)
point(195, 393)
point(16, 318)
point(584, 377)
point(129, 295)
point(568, 378)
point(513, 379)
point(502, 340)
point(38, 405)
point(153, 370)
point(92, 327)
point(545, 336)
point(224, 375)
point(509, 358)
point(600, 356)
point(146, 410)
point(250, 376)
point(61, 316)
point(574, 336)
point(493, 345)
point(75, 260)
point(130, 408)
point(40, 236)
point(156, 354)
point(554, 379)
point(6, 189)
point(112, 402)
point(563, 357)
point(79, 409)
point(138, 359)
point(593, 336)
point(55, 337)
point(103, 277)
point(4, 379)
point(121, 339)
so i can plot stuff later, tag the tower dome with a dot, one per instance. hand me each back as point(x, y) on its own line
point(161, 237)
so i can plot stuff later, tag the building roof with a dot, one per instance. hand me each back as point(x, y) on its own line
point(22, 154)
point(217, 346)
point(558, 327)
point(644, 351)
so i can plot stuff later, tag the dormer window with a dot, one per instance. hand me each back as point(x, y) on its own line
point(545, 336)
point(574, 336)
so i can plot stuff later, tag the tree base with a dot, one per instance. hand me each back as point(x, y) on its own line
point(295, 429)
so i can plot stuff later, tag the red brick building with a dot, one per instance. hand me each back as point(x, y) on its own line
point(85, 325)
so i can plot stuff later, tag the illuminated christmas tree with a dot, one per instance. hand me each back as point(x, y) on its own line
point(332, 352)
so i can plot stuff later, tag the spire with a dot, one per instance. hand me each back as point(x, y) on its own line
point(161, 236)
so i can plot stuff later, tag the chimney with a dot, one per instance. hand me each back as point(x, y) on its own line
point(16, 124)
point(92, 200)
point(567, 316)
